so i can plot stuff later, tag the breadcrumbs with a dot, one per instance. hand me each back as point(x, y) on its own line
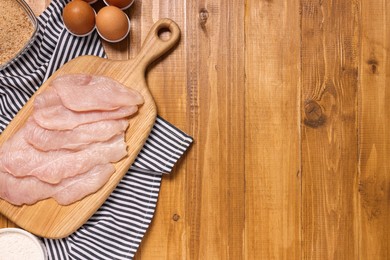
point(15, 29)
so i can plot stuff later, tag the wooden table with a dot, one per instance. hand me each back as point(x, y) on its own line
point(289, 105)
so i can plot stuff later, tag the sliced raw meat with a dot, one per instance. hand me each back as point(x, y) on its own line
point(47, 98)
point(75, 139)
point(78, 125)
point(61, 118)
point(29, 190)
point(21, 159)
point(81, 92)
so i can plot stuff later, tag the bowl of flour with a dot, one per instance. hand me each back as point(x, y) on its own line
point(17, 244)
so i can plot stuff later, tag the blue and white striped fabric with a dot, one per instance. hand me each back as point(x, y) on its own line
point(117, 228)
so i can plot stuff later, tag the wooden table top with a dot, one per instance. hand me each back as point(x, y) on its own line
point(289, 105)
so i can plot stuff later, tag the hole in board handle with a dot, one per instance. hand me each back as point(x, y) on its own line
point(164, 34)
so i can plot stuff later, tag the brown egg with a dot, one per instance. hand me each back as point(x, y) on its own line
point(79, 17)
point(112, 23)
point(120, 3)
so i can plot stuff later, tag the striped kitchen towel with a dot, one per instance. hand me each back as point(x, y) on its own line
point(117, 228)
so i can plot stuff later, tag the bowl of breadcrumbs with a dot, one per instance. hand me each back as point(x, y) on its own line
point(18, 27)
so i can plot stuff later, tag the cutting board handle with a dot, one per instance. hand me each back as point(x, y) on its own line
point(155, 45)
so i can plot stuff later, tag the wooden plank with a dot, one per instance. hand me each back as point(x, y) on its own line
point(329, 134)
point(166, 237)
point(374, 128)
point(214, 199)
point(272, 141)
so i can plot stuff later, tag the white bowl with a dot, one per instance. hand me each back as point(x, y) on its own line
point(16, 243)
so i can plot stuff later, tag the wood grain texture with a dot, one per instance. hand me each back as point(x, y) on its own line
point(288, 103)
point(374, 131)
point(272, 141)
point(329, 134)
point(216, 182)
point(167, 81)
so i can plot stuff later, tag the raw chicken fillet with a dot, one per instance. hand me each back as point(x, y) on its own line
point(50, 113)
point(30, 189)
point(67, 148)
point(85, 93)
point(22, 159)
point(77, 138)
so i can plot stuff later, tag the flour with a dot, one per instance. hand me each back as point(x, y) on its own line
point(17, 246)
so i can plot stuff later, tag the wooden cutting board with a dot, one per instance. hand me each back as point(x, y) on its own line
point(51, 220)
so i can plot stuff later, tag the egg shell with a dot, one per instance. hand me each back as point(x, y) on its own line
point(79, 17)
point(122, 4)
point(112, 23)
